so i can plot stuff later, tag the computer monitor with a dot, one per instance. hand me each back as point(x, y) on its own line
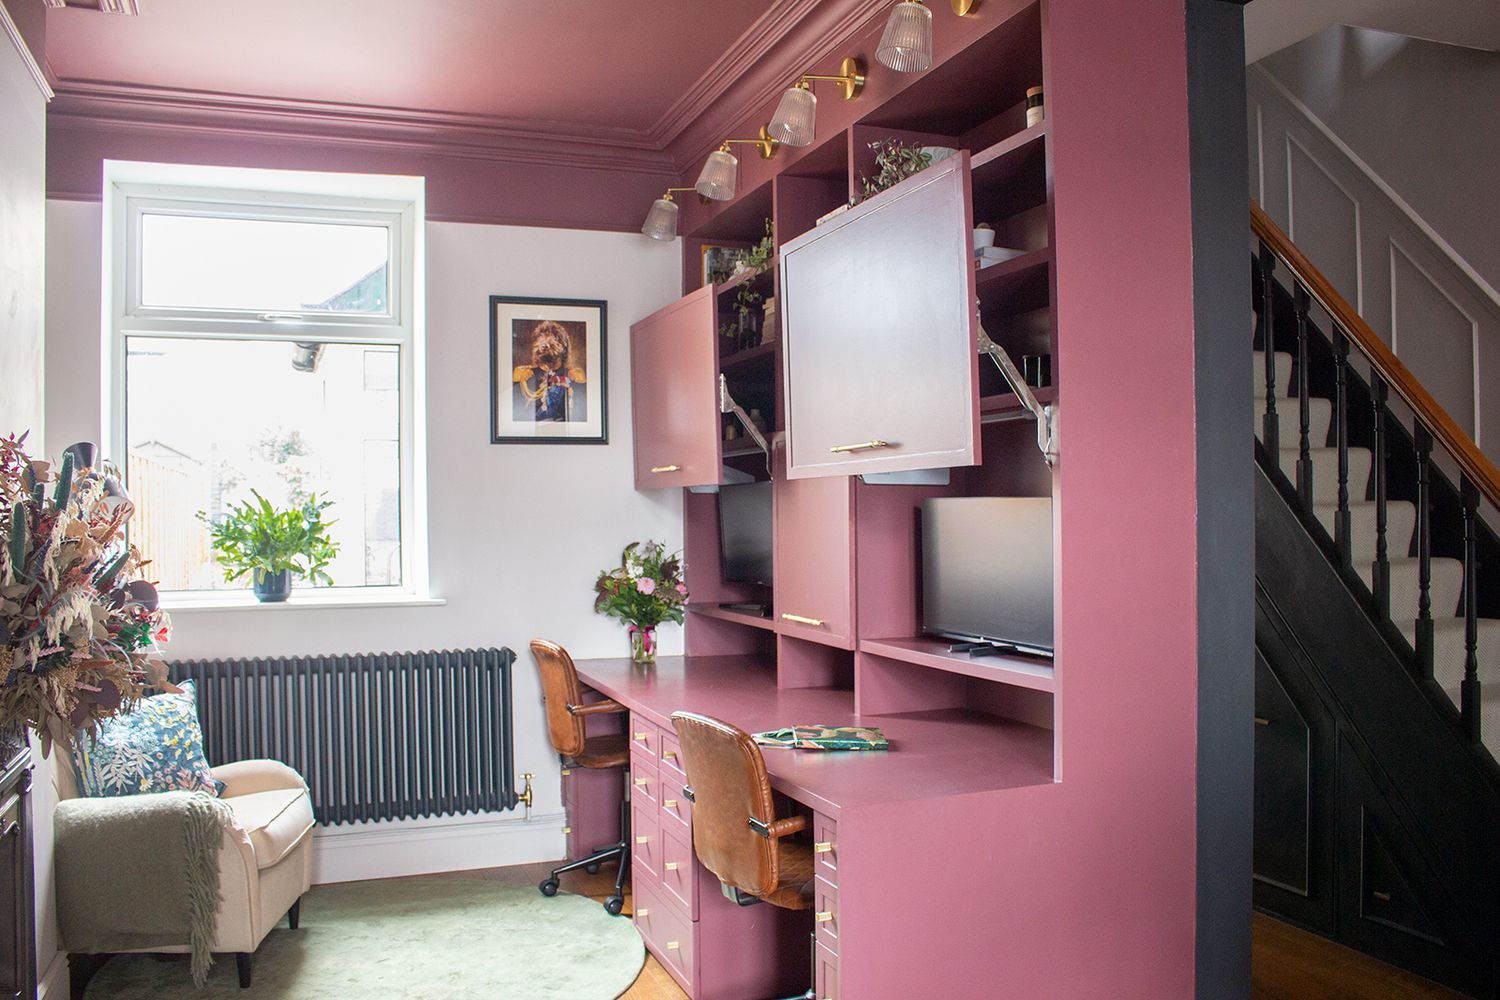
point(745, 532)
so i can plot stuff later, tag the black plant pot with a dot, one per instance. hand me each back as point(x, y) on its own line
point(272, 587)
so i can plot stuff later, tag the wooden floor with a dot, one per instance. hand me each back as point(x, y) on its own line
point(1289, 964)
point(1292, 964)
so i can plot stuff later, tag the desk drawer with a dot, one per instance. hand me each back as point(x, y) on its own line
point(644, 781)
point(645, 844)
point(645, 737)
point(826, 848)
point(668, 934)
point(825, 974)
point(679, 869)
point(826, 914)
point(671, 754)
point(676, 810)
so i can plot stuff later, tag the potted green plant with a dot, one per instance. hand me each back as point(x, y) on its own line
point(895, 162)
point(274, 544)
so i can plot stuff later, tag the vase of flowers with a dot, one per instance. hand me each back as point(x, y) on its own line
point(645, 590)
point(78, 628)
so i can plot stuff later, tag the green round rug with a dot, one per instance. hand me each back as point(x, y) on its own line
point(413, 939)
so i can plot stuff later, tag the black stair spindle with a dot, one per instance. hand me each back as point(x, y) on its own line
point(1469, 691)
point(1380, 574)
point(1270, 423)
point(1341, 422)
point(1423, 440)
point(1301, 301)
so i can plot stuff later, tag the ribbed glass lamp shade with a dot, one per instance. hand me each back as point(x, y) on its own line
point(661, 221)
point(720, 172)
point(906, 46)
point(795, 117)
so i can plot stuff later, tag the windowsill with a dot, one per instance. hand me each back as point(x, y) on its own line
point(179, 601)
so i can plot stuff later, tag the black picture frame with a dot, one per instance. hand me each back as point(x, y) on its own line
point(517, 400)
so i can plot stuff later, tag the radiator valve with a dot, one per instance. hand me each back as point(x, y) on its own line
point(526, 795)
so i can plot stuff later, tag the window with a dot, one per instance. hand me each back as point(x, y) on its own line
point(264, 337)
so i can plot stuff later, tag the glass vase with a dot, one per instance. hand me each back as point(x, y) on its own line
point(643, 643)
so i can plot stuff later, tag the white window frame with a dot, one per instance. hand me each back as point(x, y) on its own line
point(133, 189)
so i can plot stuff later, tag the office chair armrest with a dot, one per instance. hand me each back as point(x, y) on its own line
point(779, 828)
point(606, 707)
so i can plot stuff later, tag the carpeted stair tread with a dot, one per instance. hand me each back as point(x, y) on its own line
point(1283, 375)
point(1400, 526)
point(1325, 470)
point(1447, 583)
point(1289, 422)
point(1448, 668)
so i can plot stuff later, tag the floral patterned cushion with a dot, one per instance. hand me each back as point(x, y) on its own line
point(158, 747)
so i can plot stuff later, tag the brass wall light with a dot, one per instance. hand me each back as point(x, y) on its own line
point(796, 116)
point(906, 45)
point(722, 168)
point(661, 221)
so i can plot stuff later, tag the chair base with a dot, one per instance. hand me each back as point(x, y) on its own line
point(242, 966)
point(620, 850)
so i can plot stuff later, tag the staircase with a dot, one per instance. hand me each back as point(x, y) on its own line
point(1377, 640)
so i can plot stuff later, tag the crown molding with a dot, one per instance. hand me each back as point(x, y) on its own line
point(11, 31)
point(104, 105)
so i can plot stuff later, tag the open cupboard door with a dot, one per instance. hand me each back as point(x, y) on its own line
point(674, 385)
point(880, 356)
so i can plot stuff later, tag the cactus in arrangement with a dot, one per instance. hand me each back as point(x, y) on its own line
point(19, 516)
point(64, 491)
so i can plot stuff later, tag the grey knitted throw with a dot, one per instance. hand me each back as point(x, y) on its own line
point(140, 871)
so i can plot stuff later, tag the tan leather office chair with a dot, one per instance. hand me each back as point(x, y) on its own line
point(566, 713)
point(736, 834)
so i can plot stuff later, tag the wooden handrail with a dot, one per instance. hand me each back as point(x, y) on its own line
point(1480, 470)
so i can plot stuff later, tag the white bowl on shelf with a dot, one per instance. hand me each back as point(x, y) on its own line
point(983, 238)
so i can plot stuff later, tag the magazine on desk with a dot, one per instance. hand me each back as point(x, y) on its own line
point(824, 738)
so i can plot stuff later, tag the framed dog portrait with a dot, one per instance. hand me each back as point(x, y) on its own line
point(548, 383)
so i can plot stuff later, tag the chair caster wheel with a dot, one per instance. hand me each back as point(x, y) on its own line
point(592, 869)
point(548, 887)
point(614, 905)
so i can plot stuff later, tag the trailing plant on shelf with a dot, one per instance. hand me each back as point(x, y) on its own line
point(760, 255)
point(896, 161)
point(645, 590)
point(273, 545)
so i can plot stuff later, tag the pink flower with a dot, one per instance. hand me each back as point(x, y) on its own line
point(646, 585)
point(682, 590)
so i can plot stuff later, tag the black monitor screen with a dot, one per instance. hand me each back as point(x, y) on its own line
point(987, 570)
point(745, 532)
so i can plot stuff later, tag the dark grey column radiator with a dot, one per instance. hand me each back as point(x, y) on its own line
point(377, 736)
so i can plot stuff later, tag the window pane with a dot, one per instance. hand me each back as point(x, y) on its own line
point(212, 263)
point(262, 421)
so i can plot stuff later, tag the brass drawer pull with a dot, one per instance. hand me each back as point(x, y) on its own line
point(641, 736)
point(567, 771)
point(673, 945)
point(839, 449)
point(670, 803)
point(823, 847)
point(801, 619)
point(671, 866)
point(823, 917)
point(1384, 897)
point(643, 912)
point(1262, 721)
point(666, 468)
point(669, 754)
point(567, 830)
point(642, 781)
point(643, 839)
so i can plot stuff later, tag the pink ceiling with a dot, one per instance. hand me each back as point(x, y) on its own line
point(585, 63)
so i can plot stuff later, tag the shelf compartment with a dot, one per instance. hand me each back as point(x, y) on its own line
point(739, 361)
point(1020, 284)
point(1017, 671)
point(709, 610)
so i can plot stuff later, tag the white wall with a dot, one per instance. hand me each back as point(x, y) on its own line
point(517, 532)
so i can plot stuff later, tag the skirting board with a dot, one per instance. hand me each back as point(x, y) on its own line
point(426, 847)
point(54, 983)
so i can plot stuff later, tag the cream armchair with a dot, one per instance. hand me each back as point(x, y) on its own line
point(265, 863)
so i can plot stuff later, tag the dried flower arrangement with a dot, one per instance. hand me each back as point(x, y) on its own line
point(78, 628)
point(645, 590)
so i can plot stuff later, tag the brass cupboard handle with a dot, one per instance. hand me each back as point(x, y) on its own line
point(1384, 897)
point(862, 446)
point(823, 847)
point(823, 917)
point(666, 468)
point(801, 619)
point(1262, 721)
point(671, 866)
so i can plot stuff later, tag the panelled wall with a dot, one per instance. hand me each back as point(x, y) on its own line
point(1438, 319)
